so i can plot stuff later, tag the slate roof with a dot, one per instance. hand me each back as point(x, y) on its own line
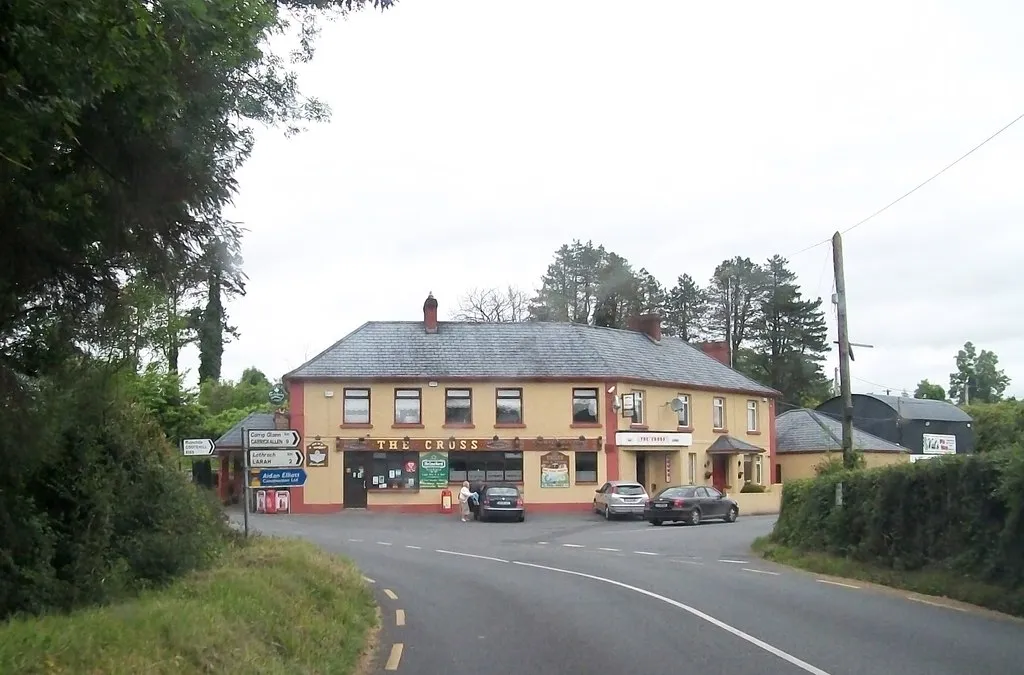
point(232, 438)
point(403, 349)
point(922, 408)
point(805, 430)
point(727, 445)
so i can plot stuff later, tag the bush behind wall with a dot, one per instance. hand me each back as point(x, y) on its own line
point(962, 513)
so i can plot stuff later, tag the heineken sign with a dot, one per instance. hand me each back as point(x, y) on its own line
point(434, 470)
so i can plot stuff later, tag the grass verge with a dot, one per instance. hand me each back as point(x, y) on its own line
point(271, 606)
point(937, 583)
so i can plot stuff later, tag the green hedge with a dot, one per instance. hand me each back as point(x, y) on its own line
point(963, 514)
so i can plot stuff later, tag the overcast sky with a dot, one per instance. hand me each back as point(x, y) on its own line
point(471, 139)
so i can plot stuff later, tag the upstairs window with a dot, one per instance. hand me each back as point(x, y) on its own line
point(639, 415)
point(408, 408)
point(458, 406)
point(718, 413)
point(584, 406)
point(356, 406)
point(683, 414)
point(508, 406)
point(752, 416)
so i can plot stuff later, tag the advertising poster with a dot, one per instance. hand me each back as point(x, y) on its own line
point(554, 470)
point(433, 470)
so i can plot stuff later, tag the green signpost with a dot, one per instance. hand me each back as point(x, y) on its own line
point(434, 470)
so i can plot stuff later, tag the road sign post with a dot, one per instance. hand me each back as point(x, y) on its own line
point(245, 483)
point(197, 447)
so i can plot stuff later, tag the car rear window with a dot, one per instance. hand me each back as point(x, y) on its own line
point(678, 493)
point(629, 490)
point(502, 492)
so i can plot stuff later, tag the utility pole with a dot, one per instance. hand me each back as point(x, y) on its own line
point(844, 350)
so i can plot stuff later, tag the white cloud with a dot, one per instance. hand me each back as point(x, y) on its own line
point(471, 139)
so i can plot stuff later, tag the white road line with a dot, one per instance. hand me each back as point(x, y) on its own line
point(390, 593)
point(935, 604)
point(645, 553)
point(750, 569)
point(602, 548)
point(688, 562)
point(542, 542)
point(836, 583)
point(369, 580)
point(573, 545)
point(399, 617)
point(734, 562)
point(785, 656)
point(417, 548)
point(395, 657)
point(355, 539)
point(470, 555)
point(384, 543)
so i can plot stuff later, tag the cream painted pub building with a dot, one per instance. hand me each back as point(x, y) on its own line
point(410, 408)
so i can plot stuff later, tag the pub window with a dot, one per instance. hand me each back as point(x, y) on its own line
point(485, 467)
point(458, 406)
point(508, 406)
point(718, 416)
point(407, 406)
point(356, 408)
point(683, 413)
point(638, 409)
point(584, 406)
point(586, 467)
point(395, 471)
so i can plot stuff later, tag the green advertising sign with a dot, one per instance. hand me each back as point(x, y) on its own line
point(433, 470)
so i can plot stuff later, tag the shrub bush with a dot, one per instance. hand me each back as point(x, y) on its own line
point(92, 504)
point(962, 513)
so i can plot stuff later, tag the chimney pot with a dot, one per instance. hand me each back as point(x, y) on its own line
point(430, 313)
point(648, 324)
point(719, 351)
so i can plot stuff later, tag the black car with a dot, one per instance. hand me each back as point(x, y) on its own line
point(500, 501)
point(690, 504)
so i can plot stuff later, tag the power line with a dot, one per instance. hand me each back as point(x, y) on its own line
point(907, 194)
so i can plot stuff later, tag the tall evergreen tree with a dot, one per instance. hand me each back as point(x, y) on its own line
point(735, 297)
point(686, 309)
point(616, 292)
point(569, 287)
point(789, 336)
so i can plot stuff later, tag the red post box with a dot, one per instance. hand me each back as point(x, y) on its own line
point(446, 501)
point(271, 501)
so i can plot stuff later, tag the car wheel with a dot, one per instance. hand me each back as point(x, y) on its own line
point(656, 522)
point(732, 515)
point(607, 513)
point(694, 517)
point(522, 518)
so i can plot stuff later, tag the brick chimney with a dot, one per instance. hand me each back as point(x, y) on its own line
point(648, 324)
point(430, 313)
point(719, 351)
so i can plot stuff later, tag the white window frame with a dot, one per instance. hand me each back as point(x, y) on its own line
point(639, 416)
point(718, 411)
point(683, 415)
point(758, 471)
point(692, 467)
point(753, 420)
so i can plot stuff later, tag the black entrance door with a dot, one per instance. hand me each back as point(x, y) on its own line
point(357, 465)
point(641, 469)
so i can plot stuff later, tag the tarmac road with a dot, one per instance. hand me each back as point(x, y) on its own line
point(567, 595)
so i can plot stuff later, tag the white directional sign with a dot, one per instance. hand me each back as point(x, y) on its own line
point(275, 459)
point(273, 438)
point(197, 447)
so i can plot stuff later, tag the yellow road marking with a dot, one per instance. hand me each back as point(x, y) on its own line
point(399, 617)
point(395, 657)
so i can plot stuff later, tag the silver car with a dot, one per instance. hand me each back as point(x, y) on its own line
point(620, 498)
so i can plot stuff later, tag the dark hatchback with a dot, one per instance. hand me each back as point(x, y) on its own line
point(690, 504)
point(500, 501)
